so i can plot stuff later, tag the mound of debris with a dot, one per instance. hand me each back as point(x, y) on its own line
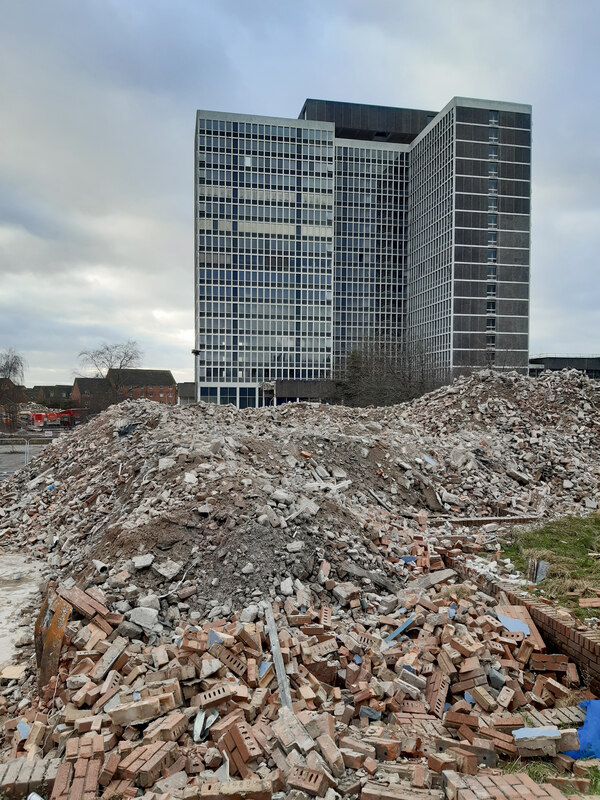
point(234, 502)
point(335, 693)
point(261, 604)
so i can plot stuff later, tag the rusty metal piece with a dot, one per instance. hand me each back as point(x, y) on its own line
point(49, 631)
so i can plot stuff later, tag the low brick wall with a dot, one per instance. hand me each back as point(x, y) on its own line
point(582, 646)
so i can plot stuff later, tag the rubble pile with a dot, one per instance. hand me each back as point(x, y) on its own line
point(257, 604)
point(337, 693)
point(234, 502)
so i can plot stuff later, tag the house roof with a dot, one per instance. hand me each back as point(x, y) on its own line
point(51, 390)
point(92, 385)
point(141, 377)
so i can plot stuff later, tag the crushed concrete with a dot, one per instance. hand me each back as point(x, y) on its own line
point(264, 480)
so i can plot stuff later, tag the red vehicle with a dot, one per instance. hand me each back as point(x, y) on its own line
point(66, 418)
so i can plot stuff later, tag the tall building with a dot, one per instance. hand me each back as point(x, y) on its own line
point(354, 226)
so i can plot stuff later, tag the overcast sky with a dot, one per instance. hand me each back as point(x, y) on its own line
point(97, 112)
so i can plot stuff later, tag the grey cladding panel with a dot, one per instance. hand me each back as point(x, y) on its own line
point(512, 119)
point(471, 202)
point(514, 205)
point(469, 236)
point(469, 288)
point(477, 115)
point(513, 291)
point(513, 257)
point(465, 166)
point(516, 324)
point(513, 273)
point(513, 222)
point(521, 172)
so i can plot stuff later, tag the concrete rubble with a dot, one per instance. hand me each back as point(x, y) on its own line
point(260, 603)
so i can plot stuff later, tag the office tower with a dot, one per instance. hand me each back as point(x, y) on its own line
point(357, 226)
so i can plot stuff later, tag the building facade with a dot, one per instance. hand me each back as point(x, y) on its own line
point(358, 226)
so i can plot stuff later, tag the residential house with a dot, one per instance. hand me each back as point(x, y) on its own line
point(153, 384)
point(94, 394)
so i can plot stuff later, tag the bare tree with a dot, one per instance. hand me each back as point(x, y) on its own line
point(12, 365)
point(12, 375)
point(383, 373)
point(115, 357)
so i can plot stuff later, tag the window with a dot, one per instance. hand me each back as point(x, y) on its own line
point(493, 117)
point(493, 151)
point(490, 340)
point(491, 289)
point(490, 324)
point(228, 395)
point(208, 394)
point(492, 238)
point(493, 134)
point(491, 272)
point(491, 307)
point(492, 204)
point(247, 397)
point(493, 171)
point(492, 186)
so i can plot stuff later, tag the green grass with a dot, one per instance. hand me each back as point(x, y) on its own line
point(538, 769)
point(565, 544)
point(594, 776)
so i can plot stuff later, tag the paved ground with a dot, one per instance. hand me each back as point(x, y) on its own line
point(11, 461)
point(19, 580)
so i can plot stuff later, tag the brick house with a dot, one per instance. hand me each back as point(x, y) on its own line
point(153, 384)
point(92, 393)
point(57, 396)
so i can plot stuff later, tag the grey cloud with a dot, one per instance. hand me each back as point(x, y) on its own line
point(97, 117)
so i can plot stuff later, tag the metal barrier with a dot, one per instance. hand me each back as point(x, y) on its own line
point(26, 443)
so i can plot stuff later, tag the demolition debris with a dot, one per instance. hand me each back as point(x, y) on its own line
point(261, 603)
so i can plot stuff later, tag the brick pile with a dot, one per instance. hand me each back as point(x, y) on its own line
point(344, 692)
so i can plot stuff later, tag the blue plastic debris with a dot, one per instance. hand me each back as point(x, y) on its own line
point(369, 713)
point(469, 698)
point(408, 559)
point(214, 638)
point(263, 668)
point(399, 629)
point(357, 660)
point(514, 625)
point(452, 611)
point(589, 733)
